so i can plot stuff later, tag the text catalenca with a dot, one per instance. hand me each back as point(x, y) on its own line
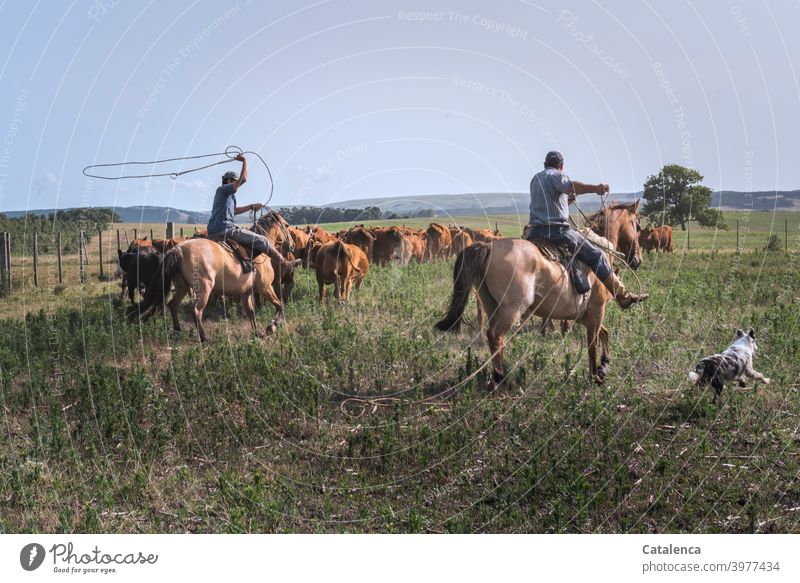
point(669, 550)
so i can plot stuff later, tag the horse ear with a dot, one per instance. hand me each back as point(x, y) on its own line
point(636, 205)
point(739, 332)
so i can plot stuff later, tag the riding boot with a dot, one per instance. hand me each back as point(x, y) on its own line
point(624, 298)
point(274, 254)
point(285, 265)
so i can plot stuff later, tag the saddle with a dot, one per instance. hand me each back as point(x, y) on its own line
point(237, 250)
point(578, 271)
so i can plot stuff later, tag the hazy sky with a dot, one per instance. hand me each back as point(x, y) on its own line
point(355, 99)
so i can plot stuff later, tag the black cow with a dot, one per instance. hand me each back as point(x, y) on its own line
point(139, 268)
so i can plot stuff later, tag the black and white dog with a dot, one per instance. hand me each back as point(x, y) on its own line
point(736, 361)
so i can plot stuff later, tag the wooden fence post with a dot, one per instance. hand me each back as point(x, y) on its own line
point(737, 235)
point(8, 260)
point(181, 232)
point(36, 259)
point(135, 234)
point(170, 230)
point(151, 234)
point(688, 236)
point(118, 242)
point(100, 237)
point(5, 276)
point(81, 265)
point(58, 254)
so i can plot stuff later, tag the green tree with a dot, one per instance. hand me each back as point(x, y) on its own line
point(675, 196)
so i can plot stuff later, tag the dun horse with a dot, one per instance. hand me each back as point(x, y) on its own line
point(515, 281)
point(203, 266)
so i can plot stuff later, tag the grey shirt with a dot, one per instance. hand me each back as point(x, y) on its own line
point(549, 201)
point(222, 211)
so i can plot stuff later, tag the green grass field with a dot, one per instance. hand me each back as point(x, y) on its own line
point(111, 427)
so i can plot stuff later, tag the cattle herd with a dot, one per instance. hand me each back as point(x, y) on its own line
point(343, 258)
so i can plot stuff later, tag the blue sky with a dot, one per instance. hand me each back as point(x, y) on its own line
point(355, 99)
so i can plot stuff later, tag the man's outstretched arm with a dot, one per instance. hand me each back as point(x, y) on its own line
point(248, 207)
point(584, 188)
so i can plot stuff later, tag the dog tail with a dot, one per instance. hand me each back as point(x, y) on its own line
point(694, 377)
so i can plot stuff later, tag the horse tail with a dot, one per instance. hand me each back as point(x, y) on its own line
point(159, 286)
point(469, 271)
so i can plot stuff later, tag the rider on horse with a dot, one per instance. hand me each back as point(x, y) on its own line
point(552, 192)
point(221, 223)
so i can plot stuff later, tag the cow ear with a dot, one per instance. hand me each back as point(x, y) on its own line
point(752, 334)
point(739, 332)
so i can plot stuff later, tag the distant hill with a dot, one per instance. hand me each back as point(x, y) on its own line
point(782, 200)
point(459, 204)
point(466, 204)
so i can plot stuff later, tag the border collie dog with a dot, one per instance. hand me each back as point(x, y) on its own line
point(733, 363)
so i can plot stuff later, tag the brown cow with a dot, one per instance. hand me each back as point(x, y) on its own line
point(341, 264)
point(439, 242)
point(361, 238)
point(484, 235)
point(137, 244)
point(411, 247)
point(658, 238)
point(300, 241)
point(387, 242)
point(461, 240)
point(417, 247)
point(164, 245)
point(319, 234)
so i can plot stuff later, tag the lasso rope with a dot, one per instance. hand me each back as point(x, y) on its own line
point(230, 152)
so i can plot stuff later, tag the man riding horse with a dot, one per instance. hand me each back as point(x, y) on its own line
point(552, 192)
point(222, 226)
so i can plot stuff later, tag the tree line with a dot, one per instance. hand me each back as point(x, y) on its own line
point(312, 215)
point(68, 222)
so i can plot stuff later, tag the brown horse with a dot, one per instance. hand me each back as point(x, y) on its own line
point(515, 281)
point(205, 267)
point(274, 227)
point(625, 235)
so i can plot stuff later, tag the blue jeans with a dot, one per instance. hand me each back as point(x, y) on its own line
point(579, 245)
point(256, 243)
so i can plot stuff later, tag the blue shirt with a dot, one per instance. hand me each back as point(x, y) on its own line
point(549, 201)
point(222, 212)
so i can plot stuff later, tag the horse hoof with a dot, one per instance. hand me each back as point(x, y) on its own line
point(497, 383)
